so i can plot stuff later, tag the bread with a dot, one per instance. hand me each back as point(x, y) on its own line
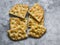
point(19, 10)
point(37, 31)
point(18, 23)
point(17, 34)
point(36, 12)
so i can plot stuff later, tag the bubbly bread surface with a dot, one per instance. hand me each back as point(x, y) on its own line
point(37, 31)
point(37, 12)
point(16, 34)
point(33, 22)
point(18, 23)
point(19, 10)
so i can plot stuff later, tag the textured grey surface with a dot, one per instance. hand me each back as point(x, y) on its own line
point(52, 22)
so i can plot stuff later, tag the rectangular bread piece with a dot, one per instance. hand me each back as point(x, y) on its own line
point(18, 23)
point(19, 10)
point(17, 34)
point(37, 31)
point(36, 12)
point(33, 22)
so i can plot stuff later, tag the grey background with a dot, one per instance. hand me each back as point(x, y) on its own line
point(52, 22)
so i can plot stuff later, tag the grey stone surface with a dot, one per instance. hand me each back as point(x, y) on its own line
point(52, 22)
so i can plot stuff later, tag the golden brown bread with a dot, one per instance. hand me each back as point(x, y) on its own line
point(18, 23)
point(37, 31)
point(16, 34)
point(36, 12)
point(19, 10)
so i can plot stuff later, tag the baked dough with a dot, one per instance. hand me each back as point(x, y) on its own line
point(18, 23)
point(17, 34)
point(19, 10)
point(37, 31)
point(33, 22)
point(36, 12)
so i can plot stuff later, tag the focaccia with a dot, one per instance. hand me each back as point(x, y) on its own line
point(17, 34)
point(33, 22)
point(36, 12)
point(19, 10)
point(37, 31)
point(18, 23)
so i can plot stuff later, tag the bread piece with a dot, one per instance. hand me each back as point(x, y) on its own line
point(18, 23)
point(36, 12)
point(14, 22)
point(16, 34)
point(33, 22)
point(19, 10)
point(37, 31)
